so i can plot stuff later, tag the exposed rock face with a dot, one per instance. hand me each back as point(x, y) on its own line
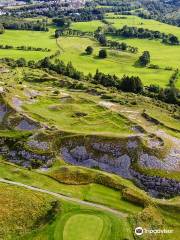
point(20, 156)
point(3, 111)
point(109, 157)
point(157, 186)
point(132, 144)
point(79, 156)
point(26, 125)
point(38, 145)
point(112, 148)
point(171, 162)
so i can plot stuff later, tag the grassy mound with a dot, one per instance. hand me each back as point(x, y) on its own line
point(79, 175)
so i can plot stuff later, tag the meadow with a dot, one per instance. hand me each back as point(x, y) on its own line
point(119, 63)
point(28, 38)
point(87, 26)
point(118, 21)
point(122, 63)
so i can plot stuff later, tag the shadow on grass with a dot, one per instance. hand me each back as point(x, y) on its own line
point(138, 65)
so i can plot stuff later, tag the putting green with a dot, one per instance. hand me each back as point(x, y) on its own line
point(83, 227)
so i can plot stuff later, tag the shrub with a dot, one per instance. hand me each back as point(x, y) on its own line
point(89, 50)
point(103, 53)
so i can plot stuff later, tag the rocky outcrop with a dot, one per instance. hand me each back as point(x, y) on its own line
point(113, 158)
point(170, 163)
point(157, 186)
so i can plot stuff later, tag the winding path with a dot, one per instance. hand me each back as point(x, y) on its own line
point(60, 196)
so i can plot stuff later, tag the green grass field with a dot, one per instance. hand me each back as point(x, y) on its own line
point(118, 21)
point(118, 63)
point(89, 192)
point(28, 38)
point(77, 222)
point(87, 26)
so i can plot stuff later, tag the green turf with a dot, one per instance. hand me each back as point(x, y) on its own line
point(87, 26)
point(119, 21)
point(89, 192)
point(28, 38)
point(83, 226)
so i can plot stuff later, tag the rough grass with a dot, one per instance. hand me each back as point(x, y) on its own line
point(21, 210)
point(89, 191)
point(92, 118)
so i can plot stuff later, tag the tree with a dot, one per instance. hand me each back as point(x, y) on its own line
point(145, 59)
point(21, 62)
point(173, 40)
point(103, 53)
point(131, 84)
point(62, 22)
point(102, 40)
point(89, 50)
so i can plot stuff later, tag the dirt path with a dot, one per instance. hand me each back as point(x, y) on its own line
point(60, 196)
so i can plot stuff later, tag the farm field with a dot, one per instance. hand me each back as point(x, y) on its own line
point(87, 26)
point(28, 38)
point(118, 21)
point(119, 63)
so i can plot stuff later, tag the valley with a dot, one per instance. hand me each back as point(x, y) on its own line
point(89, 120)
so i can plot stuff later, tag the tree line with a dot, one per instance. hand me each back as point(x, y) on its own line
point(25, 48)
point(99, 36)
point(126, 83)
point(142, 33)
point(19, 24)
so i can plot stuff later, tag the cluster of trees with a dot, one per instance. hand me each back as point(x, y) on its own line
point(126, 83)
point(163, 11)
point(102, 53)
point(120, 46)
point(19, 24)
point(62, 22)
point(169, 95)
point(72, 32)
point(1, 29)
point(134, 32)
point(61, 68)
